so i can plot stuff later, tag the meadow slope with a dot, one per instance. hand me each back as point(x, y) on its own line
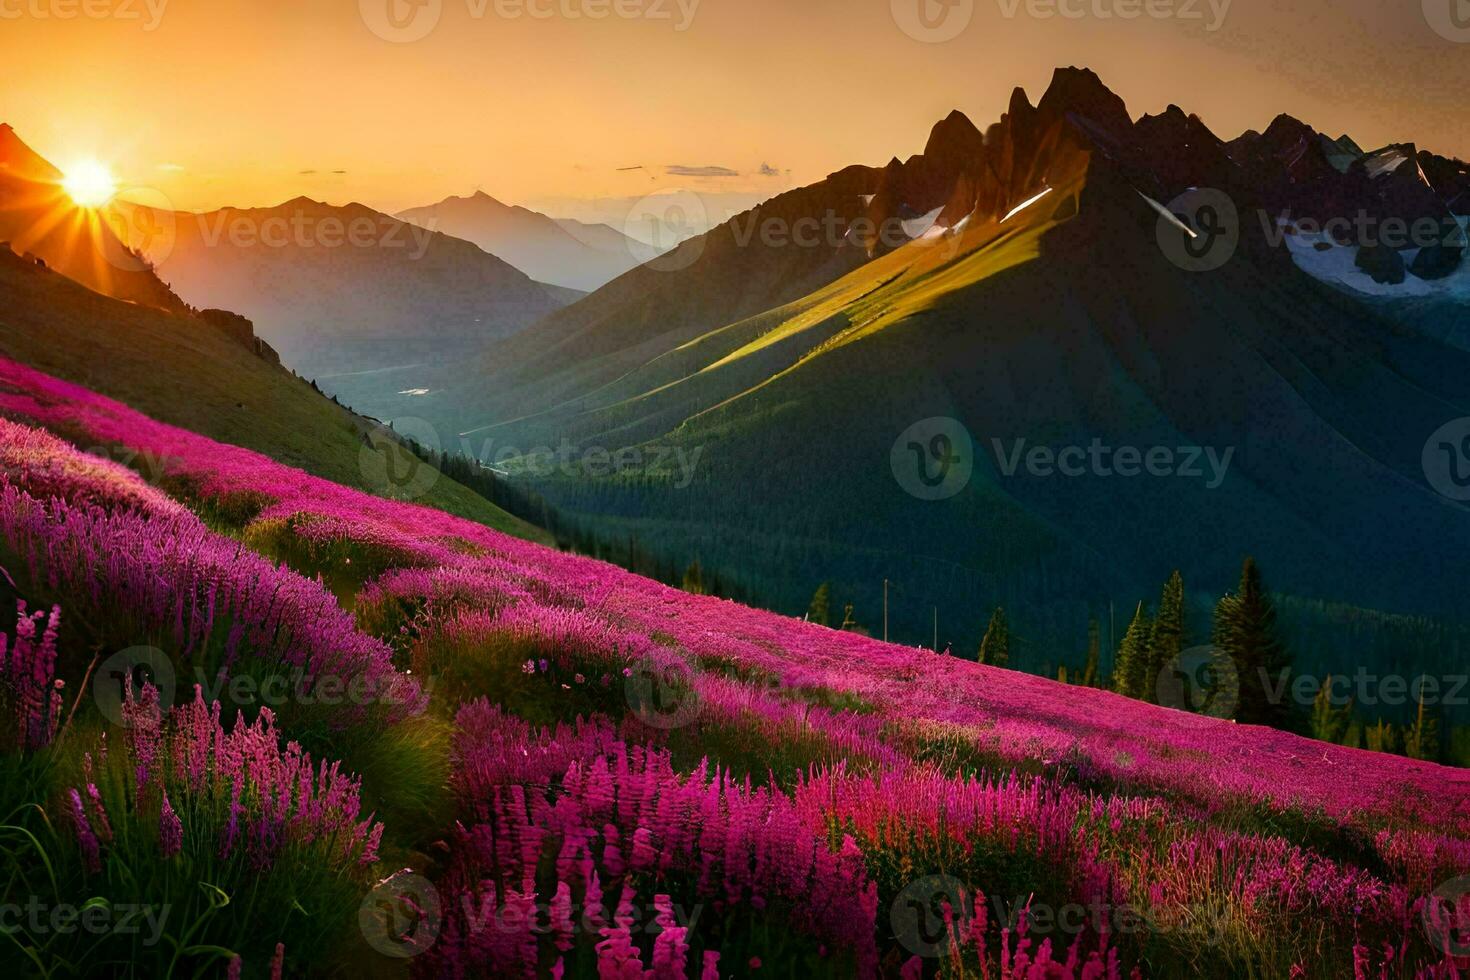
point(596, 775)
point(183, 370)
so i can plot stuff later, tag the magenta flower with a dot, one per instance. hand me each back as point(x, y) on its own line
point(273, 797)
point(99, 813)
point(170, 830)
point(86, 837)
point(44, 466)
point(587, 796)
point(30, 693)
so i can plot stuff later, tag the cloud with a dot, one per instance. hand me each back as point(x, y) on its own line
point(767, 170)
point(679, 170)
point(640, 168)
point(305, 173)
point(172, 168)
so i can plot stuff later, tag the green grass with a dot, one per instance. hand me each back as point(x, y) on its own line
point(460, 668)
point(200, 909)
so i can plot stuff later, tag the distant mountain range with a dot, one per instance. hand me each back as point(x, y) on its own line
point(1033, 284)
point(346, 289)
point(562, 252)
point(205, 373)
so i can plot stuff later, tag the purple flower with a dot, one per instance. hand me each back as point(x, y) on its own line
point(30, 694)
point(91, 851)
point(170, 830)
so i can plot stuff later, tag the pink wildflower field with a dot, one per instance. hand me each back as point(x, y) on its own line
point(412, 745)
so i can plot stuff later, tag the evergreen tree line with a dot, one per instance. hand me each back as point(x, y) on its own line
point(1245, 672)
point(570, 534)
point(1257, 686)
point(1250, 672)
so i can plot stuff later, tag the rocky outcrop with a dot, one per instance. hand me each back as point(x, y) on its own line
point(242, 332)
point(1384, 264)
point(1437, 262)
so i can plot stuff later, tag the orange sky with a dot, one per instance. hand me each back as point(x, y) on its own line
point(250, 102)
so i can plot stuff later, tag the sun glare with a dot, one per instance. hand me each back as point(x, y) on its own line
point(90, 184)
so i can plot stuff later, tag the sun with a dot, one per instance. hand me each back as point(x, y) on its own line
point(90, 184)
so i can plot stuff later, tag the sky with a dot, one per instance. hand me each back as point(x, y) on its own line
point(581, 107)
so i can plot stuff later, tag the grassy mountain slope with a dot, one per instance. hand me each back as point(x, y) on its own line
point(738, 359)
point(1326, 411)
point(182, 370)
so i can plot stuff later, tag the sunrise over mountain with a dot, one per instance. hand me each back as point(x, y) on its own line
point(642, 489)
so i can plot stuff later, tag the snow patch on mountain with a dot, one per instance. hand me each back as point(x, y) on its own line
point(920, 226)
point(1320, 257)
point(1385, 161)
point(1168, 215)
point(1024, 205)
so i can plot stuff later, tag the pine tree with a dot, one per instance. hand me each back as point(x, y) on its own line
point(1421, 740)
point(995, 649)
point(1245, 631)
point(1382, 737)
point(1166, 641)
point(1094, 654)
point(820, 610)
point(1132, 665)
point(694, 578)
point(1330, 723)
